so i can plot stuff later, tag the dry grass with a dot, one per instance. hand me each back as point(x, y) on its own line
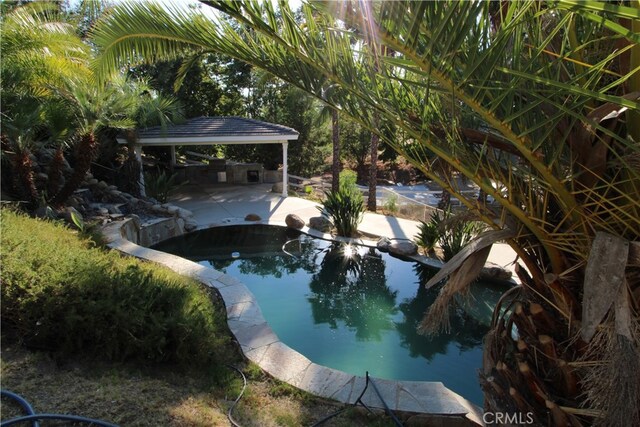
point(137, 396)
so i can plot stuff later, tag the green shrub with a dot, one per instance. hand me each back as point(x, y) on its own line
point(455, 231)
point(428, 235)
point(61, 295)
point(159, 185)
point(345, 207)
point(344, 211)
point(391, 203)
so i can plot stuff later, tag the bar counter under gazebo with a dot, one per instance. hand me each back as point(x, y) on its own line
point(218, 131)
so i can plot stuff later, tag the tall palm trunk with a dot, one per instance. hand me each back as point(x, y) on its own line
point(86, 152)
point(373, 170)
point(55, 172)
point(335, 138)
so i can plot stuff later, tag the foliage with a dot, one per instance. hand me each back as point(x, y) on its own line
point(61, 295)
point(159, 185)
point(454, 231)
point(428, 235)
point(345, 207)
point(391, 203)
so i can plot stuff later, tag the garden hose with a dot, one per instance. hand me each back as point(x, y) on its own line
point(33, 417)
point(235, 402)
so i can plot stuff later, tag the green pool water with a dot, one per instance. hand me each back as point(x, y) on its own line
point(349, 308)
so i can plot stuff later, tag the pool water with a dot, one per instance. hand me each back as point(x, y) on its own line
point(350, 308)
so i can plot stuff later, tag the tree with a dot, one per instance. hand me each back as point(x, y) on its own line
point(551, 146)
point(40, 52)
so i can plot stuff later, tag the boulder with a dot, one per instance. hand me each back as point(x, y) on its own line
point(184, 213)
point(190, 225)
point(252, 217)
point(492, 271)
point(294, 221)
point(172, 210)
point(403, 248)
point(383, 244)
point(180, 223)
point(320, 223)
point(277, 187)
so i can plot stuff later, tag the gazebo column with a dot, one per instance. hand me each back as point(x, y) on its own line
point(285, 176)
point(137, 150)
point(173, 157)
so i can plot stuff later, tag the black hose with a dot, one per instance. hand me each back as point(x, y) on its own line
point(386, 408)
point(22, 402)
point(244, 386)
point(60, 417)
point(33, 417)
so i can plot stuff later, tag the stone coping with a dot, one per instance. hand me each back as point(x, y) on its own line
point(263, 347)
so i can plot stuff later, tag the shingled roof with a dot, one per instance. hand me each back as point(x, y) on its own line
point(217, 130)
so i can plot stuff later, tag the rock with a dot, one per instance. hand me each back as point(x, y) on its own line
point(403, 248)
point(180, 223)
point(103, 211)
point(112, 188)
point(45, 212)
point(277, 187)
point(92, 181)
point(103, 185)
point(294, 221)
point(158, 208)
point(320, 223)
point(132, 199)
point(492, 271)
point(252, 217)
point(190, 225)
point(113, 209)
point(173, 210)
point(184, 213)
point(383, 244)
point(136, 220)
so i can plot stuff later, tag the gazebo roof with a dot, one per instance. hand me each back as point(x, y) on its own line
point(216, 130)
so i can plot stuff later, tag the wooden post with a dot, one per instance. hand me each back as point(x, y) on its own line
point(285, 177)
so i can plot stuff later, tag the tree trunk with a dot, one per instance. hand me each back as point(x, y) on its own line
point(373, 171)
point(335, 168)
point(24, 180)
point(445, 200)
point(55, 173)
point(86, 152)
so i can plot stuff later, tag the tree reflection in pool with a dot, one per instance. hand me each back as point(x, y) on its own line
point(351, 308)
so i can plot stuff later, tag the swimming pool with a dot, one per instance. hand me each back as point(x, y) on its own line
point(351, 308)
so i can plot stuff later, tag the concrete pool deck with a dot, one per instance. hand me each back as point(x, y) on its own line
point(217, 205)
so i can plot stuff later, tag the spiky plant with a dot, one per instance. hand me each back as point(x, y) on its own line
point(526, 99)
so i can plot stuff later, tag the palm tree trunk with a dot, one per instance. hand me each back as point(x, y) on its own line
point(445, 200)
point(373, 171)
point(335, 168)
point(24, 180)
point(55, 172)
point(86, 152)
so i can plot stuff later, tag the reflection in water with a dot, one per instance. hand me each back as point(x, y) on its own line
point(351, 287)
point(465, 331)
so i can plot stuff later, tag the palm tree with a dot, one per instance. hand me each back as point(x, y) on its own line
point(39, 53)
point(551, 147)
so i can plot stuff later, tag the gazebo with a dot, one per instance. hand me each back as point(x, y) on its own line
point(216, 131)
